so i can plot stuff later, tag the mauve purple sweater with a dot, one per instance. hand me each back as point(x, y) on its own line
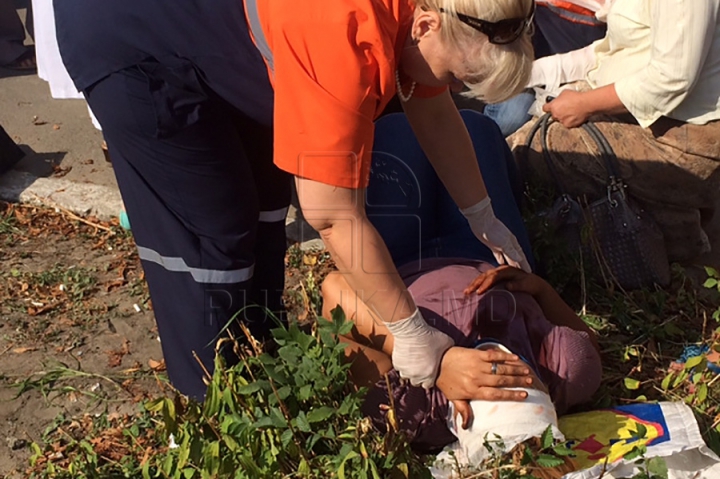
point(565, 359)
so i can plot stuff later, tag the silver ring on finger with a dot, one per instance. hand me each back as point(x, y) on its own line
point(493, 370)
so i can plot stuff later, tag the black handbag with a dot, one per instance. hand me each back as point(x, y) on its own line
point(630, 244)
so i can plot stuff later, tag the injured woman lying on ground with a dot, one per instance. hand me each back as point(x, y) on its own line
point(522, 357)
point(521, 354)
point(520, 329)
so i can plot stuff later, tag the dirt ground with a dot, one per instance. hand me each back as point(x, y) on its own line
point(77, 334)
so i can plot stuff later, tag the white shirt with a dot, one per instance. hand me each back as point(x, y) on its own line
point(49, 64)
point(663, 57)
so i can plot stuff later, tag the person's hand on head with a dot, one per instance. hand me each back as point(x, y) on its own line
point(569, 108)
point(467, 374)
point(495, 235)
point(514, 279)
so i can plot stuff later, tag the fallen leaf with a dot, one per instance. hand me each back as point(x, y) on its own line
point(56, 127)
point(59, 172)
point(23, 350)
point(631, 383)
point(42, 309)
point(118, 283)
point(116, 356)
point(157, 365)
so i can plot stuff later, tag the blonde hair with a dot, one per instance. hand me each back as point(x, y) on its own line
point(495, 72)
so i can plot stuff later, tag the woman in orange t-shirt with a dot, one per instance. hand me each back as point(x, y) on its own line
point(194, 122)
point(327, 95)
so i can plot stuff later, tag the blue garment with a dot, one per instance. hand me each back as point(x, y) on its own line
point(207, 207)
point(101, 37)
point(560, 31)
point(186, 105)
point(411, 209)
point(511, 114)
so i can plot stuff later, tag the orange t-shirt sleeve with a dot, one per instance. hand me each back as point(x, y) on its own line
point(325, 80)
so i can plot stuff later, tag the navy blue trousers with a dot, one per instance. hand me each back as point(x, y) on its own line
point(559, 31)
point(413, 211)
point(206, 203)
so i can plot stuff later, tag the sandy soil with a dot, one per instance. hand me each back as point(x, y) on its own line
point(77, 332)
point(71, 337)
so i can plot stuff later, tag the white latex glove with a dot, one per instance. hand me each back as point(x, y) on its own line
point(495, 235)
point(418, 349)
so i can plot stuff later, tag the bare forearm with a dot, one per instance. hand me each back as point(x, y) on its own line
point(362, 257)
point(445, 140)
point(559, 313)
point(572, 108)
point(358, 250)
point(604, 100)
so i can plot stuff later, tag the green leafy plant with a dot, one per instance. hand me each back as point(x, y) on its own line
point(713, 282)
point(524, 461)
point(653, 468)
point(291, 414)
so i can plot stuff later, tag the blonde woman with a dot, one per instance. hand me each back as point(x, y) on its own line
point(211, 107)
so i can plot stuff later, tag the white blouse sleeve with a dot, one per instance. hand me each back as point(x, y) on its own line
point(681, 34)
point(557, 70)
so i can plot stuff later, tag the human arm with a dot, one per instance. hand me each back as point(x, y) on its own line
point(573, 108)
point(324, 136)
point(555, 70)
point(554, 308)
point(445, 140)
point(681, 34)
point(362, 257)
point(680, 37)
point(456, 379)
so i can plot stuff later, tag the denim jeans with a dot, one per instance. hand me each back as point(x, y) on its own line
point(412, 210)
point(511, 114)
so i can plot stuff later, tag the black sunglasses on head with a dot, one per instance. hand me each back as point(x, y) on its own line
point(501, 32)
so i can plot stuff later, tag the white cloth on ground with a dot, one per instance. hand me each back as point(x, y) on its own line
point(500, 424)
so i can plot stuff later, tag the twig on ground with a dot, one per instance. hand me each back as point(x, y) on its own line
point(6, 349)
point(50, 203)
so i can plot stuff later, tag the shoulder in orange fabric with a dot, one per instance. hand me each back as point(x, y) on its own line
point(333, 72)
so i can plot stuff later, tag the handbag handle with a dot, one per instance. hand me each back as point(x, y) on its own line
point(542, 126)
point(606, 152)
